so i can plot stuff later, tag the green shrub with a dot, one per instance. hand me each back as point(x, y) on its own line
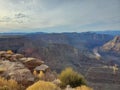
point(72, 78)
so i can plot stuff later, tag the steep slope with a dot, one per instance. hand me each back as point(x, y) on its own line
point(113, 45)
point(110, 51)
point(73, 49)
point(81, 41)
point(59, 56)
point(62, 50)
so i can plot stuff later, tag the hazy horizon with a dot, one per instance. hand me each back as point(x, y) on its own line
point(49, 32)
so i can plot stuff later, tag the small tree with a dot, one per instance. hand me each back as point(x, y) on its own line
point(72, 78)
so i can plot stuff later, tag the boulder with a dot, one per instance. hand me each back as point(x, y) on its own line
point(31, 63)
point(17, 56)
point(16, 71)
point(42, 67)
point(18, 67)
point(57, 82)
point(2, 53)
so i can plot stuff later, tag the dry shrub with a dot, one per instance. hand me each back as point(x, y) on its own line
point(9, 52)
point(9, 84)
point(41, 75)
point(42, 85)
point(72, 78)
point(35, 73)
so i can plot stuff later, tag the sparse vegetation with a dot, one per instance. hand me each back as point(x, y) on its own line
point(9, 85)
point(43, 80)
point(72, 78)
point(41, 75)
point(9, 51)
point(42, 85)
point(35, 73)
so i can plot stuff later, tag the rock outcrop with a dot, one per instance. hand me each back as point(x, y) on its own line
point(113, 45)
point(30, 62)
point(18, 67)
point(16, 71)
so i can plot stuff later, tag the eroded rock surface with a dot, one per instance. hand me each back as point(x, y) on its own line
point(18, 67)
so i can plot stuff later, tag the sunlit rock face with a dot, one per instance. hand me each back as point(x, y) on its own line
point(113, 45)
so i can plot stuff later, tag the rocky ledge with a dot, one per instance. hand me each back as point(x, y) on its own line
point(18, 67)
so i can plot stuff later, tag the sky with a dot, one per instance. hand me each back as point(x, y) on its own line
point(59, 15)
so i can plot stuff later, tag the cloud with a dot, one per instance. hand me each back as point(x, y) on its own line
point(16, 18)
point(20, 15)
point(5, 19)
point(71, 15)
